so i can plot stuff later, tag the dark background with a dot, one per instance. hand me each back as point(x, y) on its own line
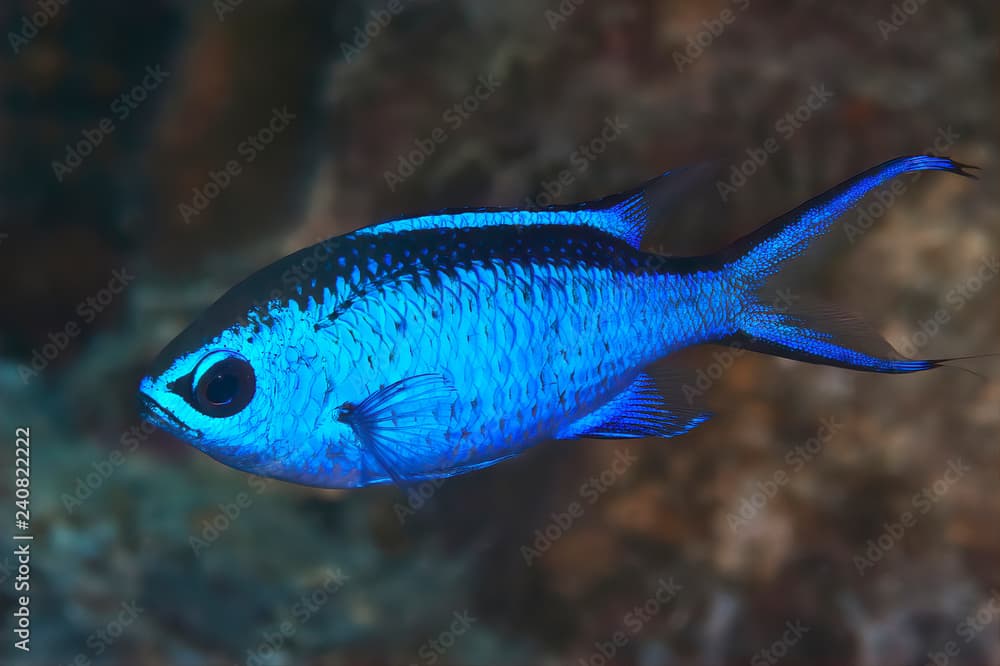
point(823, 516)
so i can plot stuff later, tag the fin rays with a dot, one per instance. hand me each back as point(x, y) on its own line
point(625, 215)
point(817, 334)
point(644, 409)
point(760, 254)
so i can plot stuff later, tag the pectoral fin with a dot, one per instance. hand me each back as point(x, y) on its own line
point(403, 425)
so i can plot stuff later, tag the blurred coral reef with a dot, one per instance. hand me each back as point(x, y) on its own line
point(822, 517)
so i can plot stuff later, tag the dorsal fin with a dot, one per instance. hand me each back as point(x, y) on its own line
point(625, 215)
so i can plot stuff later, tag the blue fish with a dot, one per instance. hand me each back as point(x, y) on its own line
point(426, 347)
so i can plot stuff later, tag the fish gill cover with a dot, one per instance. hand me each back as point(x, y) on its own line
point(159, 153)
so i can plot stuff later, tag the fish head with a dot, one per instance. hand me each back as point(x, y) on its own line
point(282, 388)
point(234, 393)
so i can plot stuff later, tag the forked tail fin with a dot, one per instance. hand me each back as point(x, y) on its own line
point(819, 334)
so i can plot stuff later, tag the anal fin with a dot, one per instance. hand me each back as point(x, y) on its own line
point(644, 409)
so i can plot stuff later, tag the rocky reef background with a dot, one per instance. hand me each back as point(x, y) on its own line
point(153, 153)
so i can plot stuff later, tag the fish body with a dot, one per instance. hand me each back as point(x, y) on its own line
point(426, 347)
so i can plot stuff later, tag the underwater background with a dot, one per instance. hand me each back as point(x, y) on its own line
point(154, 153)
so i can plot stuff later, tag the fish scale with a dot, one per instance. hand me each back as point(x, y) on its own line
point(537, 317)
point(430, 346)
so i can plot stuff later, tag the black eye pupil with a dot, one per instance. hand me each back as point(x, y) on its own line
point(222, 389)
point(225, 389)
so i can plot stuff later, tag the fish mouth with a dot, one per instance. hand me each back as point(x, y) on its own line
point(162, 417)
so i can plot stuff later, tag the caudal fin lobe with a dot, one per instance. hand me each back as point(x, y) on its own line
point(817, 334)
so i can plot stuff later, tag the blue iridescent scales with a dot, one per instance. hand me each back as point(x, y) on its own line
point(431, 346)
point(532, 331)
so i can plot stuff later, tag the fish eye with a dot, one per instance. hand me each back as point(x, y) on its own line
point(222, 384)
